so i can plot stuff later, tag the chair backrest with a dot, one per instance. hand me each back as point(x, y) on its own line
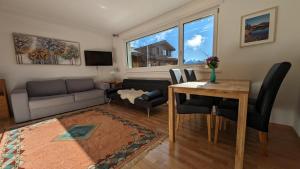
point(269, 90)
point(190, 75)
point(177, 78)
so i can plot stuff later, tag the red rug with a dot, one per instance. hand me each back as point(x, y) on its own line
point(92, 139)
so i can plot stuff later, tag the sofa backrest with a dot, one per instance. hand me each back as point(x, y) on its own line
point(46, 88)
point(79, 85)
point(147, 85)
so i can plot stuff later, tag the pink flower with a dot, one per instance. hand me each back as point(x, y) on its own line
point(212, 62)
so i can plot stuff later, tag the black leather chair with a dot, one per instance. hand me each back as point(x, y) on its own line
point(184, 106)
point(190, 75)
point(259, 110)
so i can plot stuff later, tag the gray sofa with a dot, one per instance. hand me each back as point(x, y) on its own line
point(45, 98)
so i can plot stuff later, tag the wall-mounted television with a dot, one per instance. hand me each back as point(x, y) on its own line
point(98, 58)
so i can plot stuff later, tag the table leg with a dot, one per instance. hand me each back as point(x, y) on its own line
point(241, 131)
point(171, 102)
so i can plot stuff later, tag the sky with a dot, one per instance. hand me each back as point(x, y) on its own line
point(198, 40)
point(259, 19)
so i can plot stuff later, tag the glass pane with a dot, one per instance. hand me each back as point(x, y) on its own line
point(198, 40)
point(158, 49)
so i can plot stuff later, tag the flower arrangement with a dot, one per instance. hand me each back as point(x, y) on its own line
point(212, 62)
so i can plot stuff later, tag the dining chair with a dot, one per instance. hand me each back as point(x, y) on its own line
point(259, 110)
point(191, 77)
point(185, 106)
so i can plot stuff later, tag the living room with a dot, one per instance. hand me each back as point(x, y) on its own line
point(121, 113)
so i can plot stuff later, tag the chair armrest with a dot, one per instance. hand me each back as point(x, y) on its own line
point(102, 85)
point(151, 95)
point(20, 105)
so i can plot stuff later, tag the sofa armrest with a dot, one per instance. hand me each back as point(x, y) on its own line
point(20, 105)
point(102, 85)
point(114, 90)
point(151, 95)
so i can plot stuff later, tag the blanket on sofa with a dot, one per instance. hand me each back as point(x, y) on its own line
point(130, 94)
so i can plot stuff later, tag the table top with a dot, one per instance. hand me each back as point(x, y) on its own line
point(241, 86)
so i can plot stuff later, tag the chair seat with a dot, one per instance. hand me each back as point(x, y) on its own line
point(193, 107)
point(206, 100)
point(254, 119)
point(234, 103)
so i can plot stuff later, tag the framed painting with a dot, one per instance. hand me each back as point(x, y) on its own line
point(31, 49)
point(259, 27)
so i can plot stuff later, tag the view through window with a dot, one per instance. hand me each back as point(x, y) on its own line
point(158, 49)
point(198, 40)
point(162, 48)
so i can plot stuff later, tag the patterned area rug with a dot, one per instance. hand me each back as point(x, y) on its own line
point(92, 139)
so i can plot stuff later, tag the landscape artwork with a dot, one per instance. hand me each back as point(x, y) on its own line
point(31, 49)
point(258, 28)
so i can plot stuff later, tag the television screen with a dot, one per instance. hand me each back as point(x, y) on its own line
point(98, 58)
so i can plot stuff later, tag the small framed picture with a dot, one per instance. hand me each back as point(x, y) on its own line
point(259, 27)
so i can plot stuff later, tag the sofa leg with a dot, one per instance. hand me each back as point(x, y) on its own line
point(148, 112)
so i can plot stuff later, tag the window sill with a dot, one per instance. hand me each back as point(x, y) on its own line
point(164, 69)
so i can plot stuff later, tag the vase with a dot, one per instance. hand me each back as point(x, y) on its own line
point(212, 75)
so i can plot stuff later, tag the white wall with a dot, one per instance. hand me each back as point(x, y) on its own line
point(17, 75)
point(240, 63)
point(252, 62)
point(297, 116)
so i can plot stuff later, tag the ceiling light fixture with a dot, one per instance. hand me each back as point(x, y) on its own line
point(102, 6)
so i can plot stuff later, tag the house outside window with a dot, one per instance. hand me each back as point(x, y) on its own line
point(158, 49)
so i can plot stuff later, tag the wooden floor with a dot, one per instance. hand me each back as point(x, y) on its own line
point(192, 151)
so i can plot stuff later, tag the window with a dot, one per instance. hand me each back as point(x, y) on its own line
point(198, 40)
point(158, 49)
point(189, 42)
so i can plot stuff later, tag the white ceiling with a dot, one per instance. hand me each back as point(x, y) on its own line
point(109, 16)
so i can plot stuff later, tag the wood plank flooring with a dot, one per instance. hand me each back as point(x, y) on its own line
point(192, 150)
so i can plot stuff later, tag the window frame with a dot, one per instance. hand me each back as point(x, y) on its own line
point(180, 24)
point(214, 38)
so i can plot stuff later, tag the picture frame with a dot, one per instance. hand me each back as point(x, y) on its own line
point(259, 27)
point(39, 50)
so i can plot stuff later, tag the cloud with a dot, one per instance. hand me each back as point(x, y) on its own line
point(134, 44)
point(195, 42)
point(150, 39)
point(162, 36)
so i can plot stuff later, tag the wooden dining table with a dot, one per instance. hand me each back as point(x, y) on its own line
point(234, 89)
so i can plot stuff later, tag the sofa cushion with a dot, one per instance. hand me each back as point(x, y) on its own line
point(87, 95)
point(79, 85)
point(46, 88)
point(50, 101)
point(151, 95)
